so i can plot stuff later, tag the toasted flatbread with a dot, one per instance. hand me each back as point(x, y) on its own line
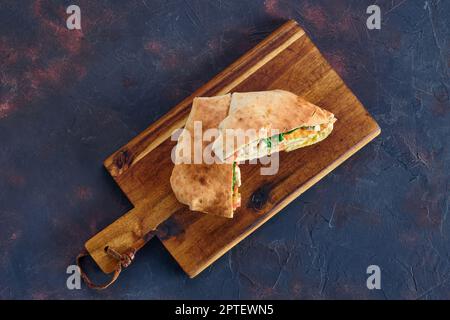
point(204, 187)
point(264, 113)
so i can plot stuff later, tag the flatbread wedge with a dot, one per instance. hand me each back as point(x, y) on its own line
point(296, 122)
point(208, 188)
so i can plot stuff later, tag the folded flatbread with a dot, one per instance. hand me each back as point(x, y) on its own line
point(296, 122)
point(209, 188)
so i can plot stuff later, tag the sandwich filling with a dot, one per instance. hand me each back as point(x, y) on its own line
point(235, 186)
point(287, 141)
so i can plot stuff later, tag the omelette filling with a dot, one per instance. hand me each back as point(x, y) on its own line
point(304, 136)
point(288, 141)
point(235, 186)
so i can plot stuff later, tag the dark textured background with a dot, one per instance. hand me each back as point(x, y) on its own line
point(68, 99)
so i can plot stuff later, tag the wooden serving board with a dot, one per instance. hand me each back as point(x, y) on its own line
point(287, 59)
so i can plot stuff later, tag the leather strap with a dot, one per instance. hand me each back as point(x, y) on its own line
point(123, 261)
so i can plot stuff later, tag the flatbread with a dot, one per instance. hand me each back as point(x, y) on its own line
point(204, 187)
point(263, 112)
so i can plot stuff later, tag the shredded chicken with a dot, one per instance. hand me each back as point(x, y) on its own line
point(237, 171)
point(236, 194)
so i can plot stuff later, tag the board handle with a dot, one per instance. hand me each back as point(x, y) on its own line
point(123, 261)
point(114, 248)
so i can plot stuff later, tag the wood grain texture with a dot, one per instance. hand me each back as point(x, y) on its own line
point(287, 60)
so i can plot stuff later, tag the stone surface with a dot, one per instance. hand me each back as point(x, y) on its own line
point(68, 99)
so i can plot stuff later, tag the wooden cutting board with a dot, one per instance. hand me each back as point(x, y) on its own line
point(287, 59)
